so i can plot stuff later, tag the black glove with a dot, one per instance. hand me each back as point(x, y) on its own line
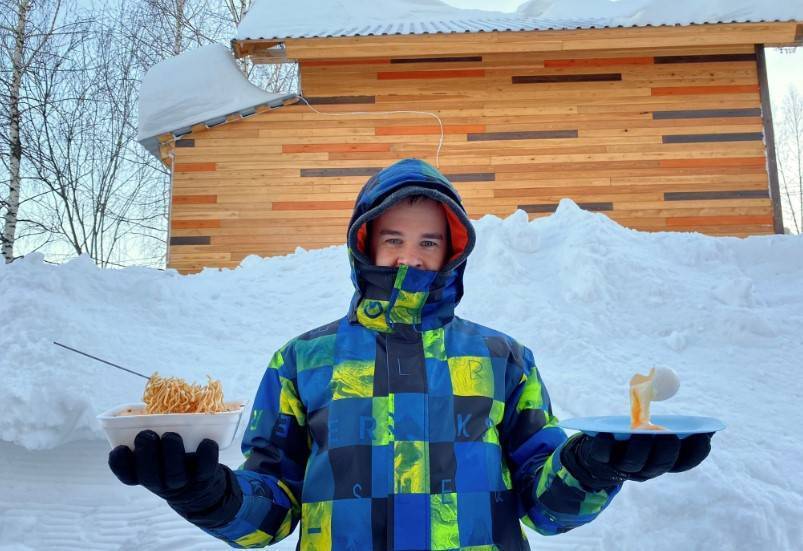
point(602, 462)
point(194, 484)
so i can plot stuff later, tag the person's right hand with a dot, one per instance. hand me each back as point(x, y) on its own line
point(601, 462)
point(189, 482)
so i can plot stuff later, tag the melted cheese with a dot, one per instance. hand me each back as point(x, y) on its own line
point(641, 394)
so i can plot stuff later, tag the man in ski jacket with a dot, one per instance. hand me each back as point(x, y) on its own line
point(401, 425)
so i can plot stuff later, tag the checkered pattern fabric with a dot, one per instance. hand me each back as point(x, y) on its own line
point(401, 426)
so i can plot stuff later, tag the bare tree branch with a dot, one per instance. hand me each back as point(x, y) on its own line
point(789, 156)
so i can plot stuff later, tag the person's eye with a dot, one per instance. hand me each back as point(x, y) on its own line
point(393, 241)
point(429, 244)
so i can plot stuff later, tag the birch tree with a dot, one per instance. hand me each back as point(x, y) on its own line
point(29, 29)
point(11, 205)
point(84, 154)
point(790, 159)
point(78, 181)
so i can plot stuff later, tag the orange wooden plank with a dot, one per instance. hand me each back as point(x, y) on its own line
point(335, 148)
point(418, 130)
point(426, 75)
point(332, 62)
point(312, 205)
point(194, 224)
point(601, 62)
point(698, 90)
point(717, 220)
point(194, 199)
point(732, 161)
point(195, 167)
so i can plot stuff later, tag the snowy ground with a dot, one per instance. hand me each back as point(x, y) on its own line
point(595, 301)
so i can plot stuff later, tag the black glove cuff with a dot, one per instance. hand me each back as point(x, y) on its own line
point(594, 478)
point(216, 506)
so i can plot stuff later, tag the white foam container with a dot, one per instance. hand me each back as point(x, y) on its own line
point(193, 427)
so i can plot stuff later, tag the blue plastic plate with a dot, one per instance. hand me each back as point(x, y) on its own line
point(619, 425)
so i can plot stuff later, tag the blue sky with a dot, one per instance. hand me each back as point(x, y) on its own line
point(785, 70)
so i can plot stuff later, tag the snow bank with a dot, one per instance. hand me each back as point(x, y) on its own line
point(226, 324)
point(595, 301)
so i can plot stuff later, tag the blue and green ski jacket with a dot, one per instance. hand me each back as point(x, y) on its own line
point(402, 426)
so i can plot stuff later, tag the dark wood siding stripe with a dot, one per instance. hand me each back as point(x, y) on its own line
point(704, 58)
point(333, 100)
point(336, 62)
point(706, 114)
point(185, 143)
point(545, 207)
point(430, 75)
point(599, 62)
point(769, 132)
point(699, 138)
point(596, 206)
point(552, 207)
point(334, 172)
point(531, 135)
point(714, 195)
point(545, 79)
point(472, 177)
point(437, 59)
point(191, 240)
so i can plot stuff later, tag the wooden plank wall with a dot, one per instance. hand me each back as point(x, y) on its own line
point(657, 139)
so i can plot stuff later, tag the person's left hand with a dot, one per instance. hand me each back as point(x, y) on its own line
point(601, 462)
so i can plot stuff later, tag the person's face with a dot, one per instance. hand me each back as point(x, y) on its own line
point(410, 234)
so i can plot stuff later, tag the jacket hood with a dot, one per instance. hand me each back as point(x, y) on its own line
point(385, 296)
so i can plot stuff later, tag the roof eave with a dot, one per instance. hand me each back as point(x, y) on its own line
point(155, 144)
point(295, 48)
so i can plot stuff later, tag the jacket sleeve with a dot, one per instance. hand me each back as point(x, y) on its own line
point(551, 500)
point(276, 449)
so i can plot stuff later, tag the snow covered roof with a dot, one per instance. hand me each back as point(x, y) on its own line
point(204, 85)
point(330, 18)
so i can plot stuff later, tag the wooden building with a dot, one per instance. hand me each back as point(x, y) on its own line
point(660, 128)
